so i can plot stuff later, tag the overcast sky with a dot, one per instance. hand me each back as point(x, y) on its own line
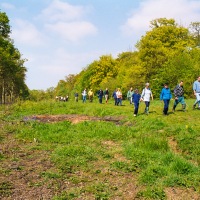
point(61, 37)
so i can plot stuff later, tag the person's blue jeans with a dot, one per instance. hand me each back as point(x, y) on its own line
point(115, 101)
point(147, 103)
point(166, 106)
point(197, 99)
point(100, 99)
point(119, 101)
point(136, 105)
point(179, 100)
point(84, 99)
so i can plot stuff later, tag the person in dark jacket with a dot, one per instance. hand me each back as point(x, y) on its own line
point(179, 98)
point(100, 95)
point(165, 96)
point(136, 100)
point(114, 95)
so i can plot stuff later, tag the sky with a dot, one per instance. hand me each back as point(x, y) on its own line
point(62, 37)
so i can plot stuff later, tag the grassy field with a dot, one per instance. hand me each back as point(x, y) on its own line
point(109, 155)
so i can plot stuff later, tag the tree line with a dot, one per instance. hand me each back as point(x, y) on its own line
point(168, 52)
point(12, 69)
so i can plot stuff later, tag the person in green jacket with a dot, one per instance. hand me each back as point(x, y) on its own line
point(129, 95)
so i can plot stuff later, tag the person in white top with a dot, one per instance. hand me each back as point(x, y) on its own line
point(84, 94)
point(146, 96)
point(119, 96)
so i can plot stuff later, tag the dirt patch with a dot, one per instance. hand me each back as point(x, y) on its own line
point(110, 145)
point(73, 118)
point(22, 171)
point(173, 145)
point(181, 194)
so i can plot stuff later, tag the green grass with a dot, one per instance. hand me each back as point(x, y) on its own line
point(139, 146)
point(5, 189)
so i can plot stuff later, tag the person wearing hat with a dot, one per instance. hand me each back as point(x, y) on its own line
point(146, 96)
point(165, 96)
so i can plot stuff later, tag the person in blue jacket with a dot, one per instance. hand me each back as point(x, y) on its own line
point(136, 100)
point(165, 96)
point(114, 95)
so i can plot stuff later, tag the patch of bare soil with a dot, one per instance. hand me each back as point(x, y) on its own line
point(173, 145)
point(73, 118)
point(21, 172)
point(181, 194)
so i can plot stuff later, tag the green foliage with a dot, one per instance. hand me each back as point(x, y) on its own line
point(167, 53)
point(161, 44)
point(152, 193)
point(5, 189)
point(4, 25)
point(195, 30)
point(98, 73)
point(12, 70)
point(38, 95)
point(130, 71)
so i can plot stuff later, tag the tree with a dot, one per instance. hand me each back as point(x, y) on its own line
point(12, 70)
point(163, 43)
point(195, 29)
point(98, 73)
point(130, 71)
point(4, 25)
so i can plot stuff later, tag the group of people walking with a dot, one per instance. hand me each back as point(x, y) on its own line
point(134, 97)
point(165, 96)
point(90, 94)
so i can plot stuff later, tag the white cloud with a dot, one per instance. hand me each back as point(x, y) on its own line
point(26, 33)
point(61, 11)
point(67, 21)
point(7, 6)
point(183, 11)
point(72, 31)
